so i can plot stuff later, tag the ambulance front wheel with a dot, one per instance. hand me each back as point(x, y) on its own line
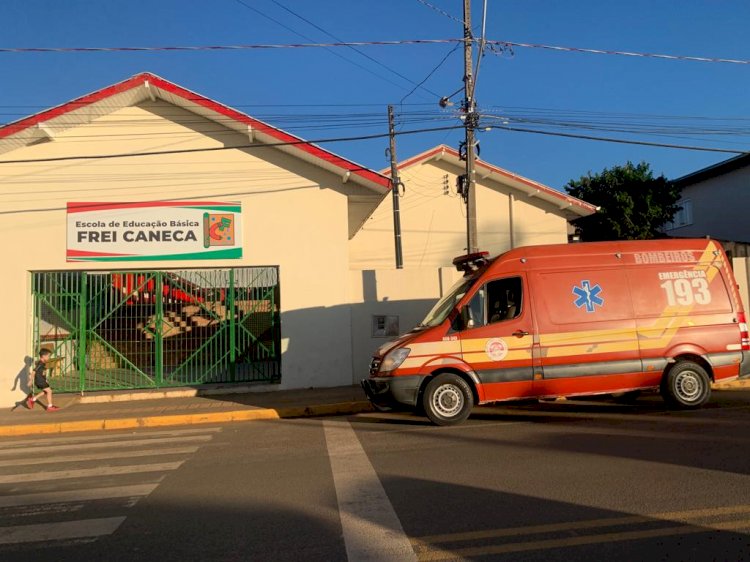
point(447, 400)
point(686, 385)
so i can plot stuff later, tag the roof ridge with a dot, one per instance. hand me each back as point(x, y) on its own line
point(348, 167)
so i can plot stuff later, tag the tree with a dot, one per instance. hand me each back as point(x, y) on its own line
point(634, 204)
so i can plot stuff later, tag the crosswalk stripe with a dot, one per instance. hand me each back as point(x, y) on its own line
point(21, 444)
point(42, 532)
point(90, 494)
point(98, 456)
point(371, 528)
point(31, 446)
point(25, 477)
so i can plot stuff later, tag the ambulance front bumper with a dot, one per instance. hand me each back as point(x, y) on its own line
point(388, 393)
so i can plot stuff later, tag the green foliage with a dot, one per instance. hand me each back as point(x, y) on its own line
point(634, 204)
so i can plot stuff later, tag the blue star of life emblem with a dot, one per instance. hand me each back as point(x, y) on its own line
point(588, 296)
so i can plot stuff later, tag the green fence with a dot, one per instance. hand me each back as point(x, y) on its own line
point(151, 329)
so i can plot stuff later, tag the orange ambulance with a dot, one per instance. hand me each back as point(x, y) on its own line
point(570, 320)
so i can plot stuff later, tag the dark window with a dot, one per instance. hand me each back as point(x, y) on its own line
point(496, 301)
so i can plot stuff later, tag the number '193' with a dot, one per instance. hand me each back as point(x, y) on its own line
point(685, 292)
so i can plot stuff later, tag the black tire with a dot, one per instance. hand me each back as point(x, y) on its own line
point(686, 385)
point(447, 400)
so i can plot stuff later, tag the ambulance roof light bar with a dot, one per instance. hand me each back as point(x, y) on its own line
point(471, 262)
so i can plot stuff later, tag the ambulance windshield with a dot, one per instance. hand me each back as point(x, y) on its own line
point(440, 311)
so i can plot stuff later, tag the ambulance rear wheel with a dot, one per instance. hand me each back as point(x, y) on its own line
point(447, 400)
point(686, 386)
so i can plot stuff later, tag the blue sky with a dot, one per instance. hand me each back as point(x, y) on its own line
point(330, 93)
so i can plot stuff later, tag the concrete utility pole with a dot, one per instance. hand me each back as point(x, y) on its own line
point(395, 185)
point(470, 124)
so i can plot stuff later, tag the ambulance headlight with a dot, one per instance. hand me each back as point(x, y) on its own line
point(394, 359)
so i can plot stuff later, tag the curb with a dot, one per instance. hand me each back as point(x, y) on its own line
point(104, 397)
point(735, 385)
point(186, 419)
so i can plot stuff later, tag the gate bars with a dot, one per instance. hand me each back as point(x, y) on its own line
point(150, 329)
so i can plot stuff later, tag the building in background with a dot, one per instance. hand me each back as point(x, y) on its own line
point(714, 203)
point(155, 238)
point(512, 211)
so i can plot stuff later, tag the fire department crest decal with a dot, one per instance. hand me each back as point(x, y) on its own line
point(496, 349)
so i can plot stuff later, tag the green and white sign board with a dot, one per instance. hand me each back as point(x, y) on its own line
point(154, 231)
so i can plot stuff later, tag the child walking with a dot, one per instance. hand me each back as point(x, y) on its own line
point(40, 381)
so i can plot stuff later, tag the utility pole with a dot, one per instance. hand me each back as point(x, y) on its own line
point(470, 125)
point(395, 185)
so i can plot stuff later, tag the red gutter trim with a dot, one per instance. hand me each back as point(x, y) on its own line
point(140, 79)
point(541, 187)
point(83, 101)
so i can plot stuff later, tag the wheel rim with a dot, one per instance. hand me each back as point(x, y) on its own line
point(448, 400)
point(688, 386)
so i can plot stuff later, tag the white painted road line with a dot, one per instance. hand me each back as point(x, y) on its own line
point(26, 477)
point(30, 461)
point(63, 439)
point(91, 494)
point(32, 450)
point(43, 532)
point(372, 530)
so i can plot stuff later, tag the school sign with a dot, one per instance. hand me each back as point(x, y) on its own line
point(151, 231)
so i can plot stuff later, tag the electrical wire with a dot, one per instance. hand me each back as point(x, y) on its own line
point(219, 148)
point(440, 11)
point(445, 58)
point(368, 57)
point(620, 141)
point(497, 43)
point(277, 22)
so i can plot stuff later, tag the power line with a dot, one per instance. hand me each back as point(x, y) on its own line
point(370, 137)
point(496, 43)
point(440, 11)
point(219, 148)
point(612, 52)
point(228, 47)
point(277, 22)
point(445, 58)
point(620, 141)
point(368, 57)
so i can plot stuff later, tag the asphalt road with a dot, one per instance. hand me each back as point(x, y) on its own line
point(550, 481)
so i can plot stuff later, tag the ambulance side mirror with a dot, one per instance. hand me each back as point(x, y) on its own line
point(466, 321)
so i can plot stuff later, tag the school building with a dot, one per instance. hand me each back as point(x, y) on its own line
point(158, 238)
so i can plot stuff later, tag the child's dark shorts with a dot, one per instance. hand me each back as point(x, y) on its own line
point(40, 382)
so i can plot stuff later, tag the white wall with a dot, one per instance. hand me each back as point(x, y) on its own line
point(406, 293)
point(433, 221)
point(294, 215)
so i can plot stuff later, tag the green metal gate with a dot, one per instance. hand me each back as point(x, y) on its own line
point(151, 329)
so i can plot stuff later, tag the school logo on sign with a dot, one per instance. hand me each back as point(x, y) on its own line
point(218, 229)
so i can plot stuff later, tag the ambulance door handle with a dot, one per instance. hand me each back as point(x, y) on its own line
point(520, 333)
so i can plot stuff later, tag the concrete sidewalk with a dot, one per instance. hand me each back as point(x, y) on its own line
point(126, 410)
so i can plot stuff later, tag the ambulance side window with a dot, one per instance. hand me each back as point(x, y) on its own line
point(496, 301)
point(505, 299)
